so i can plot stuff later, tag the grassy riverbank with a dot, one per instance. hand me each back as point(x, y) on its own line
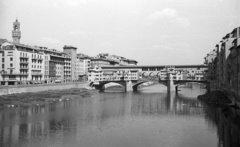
point(43, 97)
point(215, 97)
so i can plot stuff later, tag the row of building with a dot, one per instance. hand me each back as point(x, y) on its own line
point(135, 73)
point(24, 64)
point(224, 65)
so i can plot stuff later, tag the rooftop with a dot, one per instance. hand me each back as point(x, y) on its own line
point(69, 47)
point(156, 66)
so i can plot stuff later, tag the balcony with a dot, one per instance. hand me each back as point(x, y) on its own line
point(20, 74)
point(23, 67)
point(57, 61)
point(23, 62)
point(37, 74)
point(24, 57)
point(12, 79)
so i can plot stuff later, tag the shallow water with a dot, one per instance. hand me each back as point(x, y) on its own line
point(149, 118)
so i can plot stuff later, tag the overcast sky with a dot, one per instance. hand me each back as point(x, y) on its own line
point(153, 32)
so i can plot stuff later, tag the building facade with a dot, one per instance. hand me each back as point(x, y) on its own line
point(97, 74)
point(72, 52)
point(86, 65)
point(24, 64)
point(224, 67)
point(80, 69)
point(21, 64)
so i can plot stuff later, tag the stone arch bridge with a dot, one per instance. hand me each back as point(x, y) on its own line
point(172, 85)
point(166, 75)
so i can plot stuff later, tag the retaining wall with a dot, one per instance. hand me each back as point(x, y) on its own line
point(4, 90)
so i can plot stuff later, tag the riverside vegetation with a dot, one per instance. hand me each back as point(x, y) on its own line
point(42, 97)
point(215, 97)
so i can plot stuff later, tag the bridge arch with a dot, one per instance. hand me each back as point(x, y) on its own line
point(107, 82)
point(101, 84)
point(179, 83)
point(144, 74)
point(153, 74)
point(147, 74)
point(135, 86)
point(158, 74)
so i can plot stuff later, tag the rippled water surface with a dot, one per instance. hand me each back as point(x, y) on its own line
point(149, 118)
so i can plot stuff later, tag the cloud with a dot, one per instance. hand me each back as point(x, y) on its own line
point(183, 22)
point(49, 40)
point(156, 46)
point(167, 12)
point(168, 16)
point(107, 44)
point(76, 33)
point(72, 3)
point(69, 3)
point(230, 24)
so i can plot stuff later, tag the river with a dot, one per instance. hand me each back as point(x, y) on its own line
point(151, 117)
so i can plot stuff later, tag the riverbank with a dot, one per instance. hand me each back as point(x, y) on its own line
point(15, 89)
point(215, 97)
point(43, 97)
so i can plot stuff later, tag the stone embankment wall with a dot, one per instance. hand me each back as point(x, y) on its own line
point(4, 90)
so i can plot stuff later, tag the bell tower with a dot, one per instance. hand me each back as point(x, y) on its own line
point(16, 33)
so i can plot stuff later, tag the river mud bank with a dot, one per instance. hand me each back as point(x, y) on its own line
point(215, 97)
point(43, 97)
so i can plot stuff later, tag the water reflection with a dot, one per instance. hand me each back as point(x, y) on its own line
point(227, 121)
point(107, 118)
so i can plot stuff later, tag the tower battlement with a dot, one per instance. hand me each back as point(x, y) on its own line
point(16, 33)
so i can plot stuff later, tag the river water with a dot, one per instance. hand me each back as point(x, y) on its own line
point(151, 117)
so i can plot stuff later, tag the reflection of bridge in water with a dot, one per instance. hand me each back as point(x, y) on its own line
point(170, 103)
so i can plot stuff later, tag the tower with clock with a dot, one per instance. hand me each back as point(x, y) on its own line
point(16, 33)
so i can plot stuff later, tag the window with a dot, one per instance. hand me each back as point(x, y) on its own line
point(2, 65)
point(10, 54)
point(2, 59)
point(11, 59)
point(11, 65)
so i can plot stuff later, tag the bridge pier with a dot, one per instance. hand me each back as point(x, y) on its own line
point(135, 88)
point(170, 85)
point(129, 86)
point(176, 89)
